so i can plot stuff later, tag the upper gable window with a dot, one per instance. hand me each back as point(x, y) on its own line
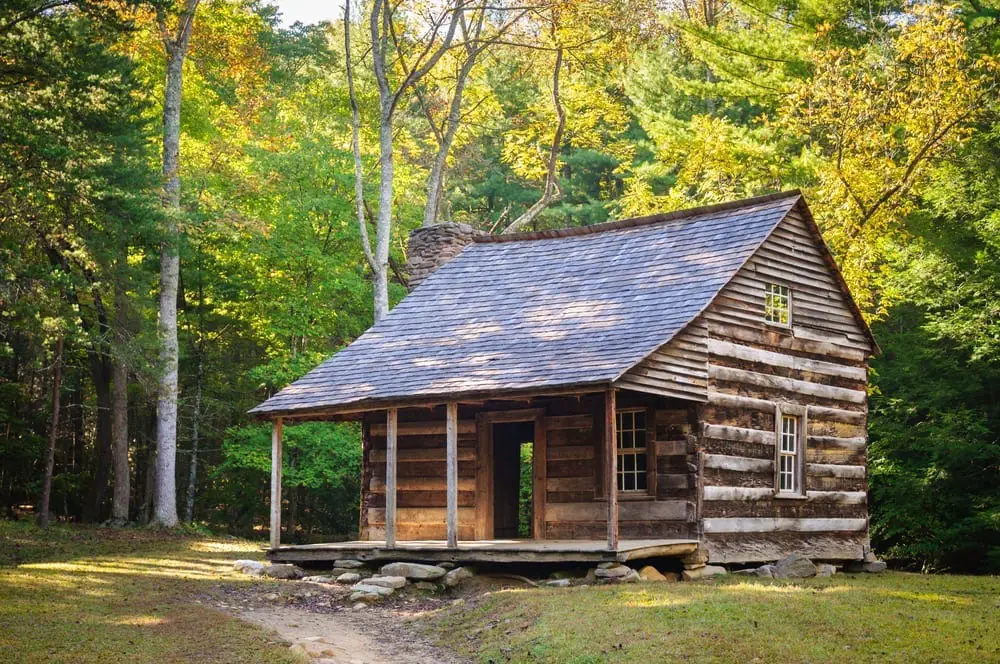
point(777, 304)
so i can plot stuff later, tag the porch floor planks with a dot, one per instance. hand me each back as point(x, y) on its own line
point(486, 551)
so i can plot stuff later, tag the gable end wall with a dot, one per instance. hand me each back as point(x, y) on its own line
point(820, 363)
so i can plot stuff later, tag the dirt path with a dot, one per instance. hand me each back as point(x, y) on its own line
point(329, 633)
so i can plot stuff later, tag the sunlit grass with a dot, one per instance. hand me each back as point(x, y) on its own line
point(893, 617)
point(100, 595)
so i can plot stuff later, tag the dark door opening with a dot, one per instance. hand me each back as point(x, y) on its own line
point(513, 479)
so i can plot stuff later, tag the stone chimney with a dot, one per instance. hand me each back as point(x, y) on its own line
point(432, 246)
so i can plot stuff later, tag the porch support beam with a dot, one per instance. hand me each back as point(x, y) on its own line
point(451, 433)
point(276, 426)
point(391, 447)
point(611, 463)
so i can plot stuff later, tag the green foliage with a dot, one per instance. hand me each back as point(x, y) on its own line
point(525, 491)
point(935, 451)
point(322, 471)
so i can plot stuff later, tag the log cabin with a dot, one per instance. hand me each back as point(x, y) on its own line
point(684, 384)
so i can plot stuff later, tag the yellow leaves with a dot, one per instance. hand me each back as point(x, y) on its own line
point(875, 118)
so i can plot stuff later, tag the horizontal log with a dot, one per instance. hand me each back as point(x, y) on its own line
point(768, 547)
point(569, 484)
point(775, 525)
point(835, 470)
point(569, 422)
point(425, 428)
point(857, 443)
point(721, 493)
point(787, 384)
point(743, 464)
point(771, 358)
point(424, 454)
point(837, 415)
point(759, 333)
point(839, 497)
point(422, 484)
point(737, 493)
point(639, 510)
point(738, 433)
point(419, 515)
point(564, 452)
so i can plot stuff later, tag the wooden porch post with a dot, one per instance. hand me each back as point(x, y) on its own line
point(276, 483)
point(611, 464)
point(390, 477)
point(451, 429)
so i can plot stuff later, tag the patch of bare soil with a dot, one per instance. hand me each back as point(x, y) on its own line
point(319, 621)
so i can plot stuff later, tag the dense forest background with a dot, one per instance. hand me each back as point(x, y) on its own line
point(885, 113)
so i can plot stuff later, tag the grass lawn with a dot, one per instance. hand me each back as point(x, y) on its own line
point(102, 595)
point(892, 617)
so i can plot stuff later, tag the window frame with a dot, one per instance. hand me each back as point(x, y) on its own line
point(768, 292)
point(646, 451)
point(800, 413)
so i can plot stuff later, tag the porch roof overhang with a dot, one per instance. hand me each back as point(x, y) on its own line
point(356, 410)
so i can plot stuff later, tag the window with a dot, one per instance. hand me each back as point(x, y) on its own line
point(777, 300)
point(631, 427)
point(789, 473)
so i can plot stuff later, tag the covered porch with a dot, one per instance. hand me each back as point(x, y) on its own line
point(433, 481)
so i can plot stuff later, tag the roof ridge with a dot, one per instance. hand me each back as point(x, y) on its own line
point(634, 222)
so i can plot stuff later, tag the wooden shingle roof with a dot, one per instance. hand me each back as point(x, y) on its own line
point(533, 312)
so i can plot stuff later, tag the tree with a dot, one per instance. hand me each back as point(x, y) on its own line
point(43, 509)
point(175, 43)
point(876, 118)
point(428, 49)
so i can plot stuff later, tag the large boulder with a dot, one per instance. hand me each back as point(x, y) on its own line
point(794, 566)
point(650, 573)
point(703, 572)
point(456, 576)
point(825, 570)
point(413, 571)
point(251, 567)
point(766, 571)
point(393, 582)
point(613, 571)
point(348, 564)
point(366, 592)
point(284, 572)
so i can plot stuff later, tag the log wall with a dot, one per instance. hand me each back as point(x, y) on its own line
point(819, 363)
point(574, 506)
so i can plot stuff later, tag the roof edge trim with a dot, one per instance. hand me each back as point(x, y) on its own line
point(637, 221)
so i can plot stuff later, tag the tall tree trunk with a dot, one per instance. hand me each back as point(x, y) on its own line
point(119, 421)
point(176, 44)
point(101, 377)
point(50, 458)
point(195, 435)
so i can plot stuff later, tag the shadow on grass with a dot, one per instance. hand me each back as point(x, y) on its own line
point(103, 595)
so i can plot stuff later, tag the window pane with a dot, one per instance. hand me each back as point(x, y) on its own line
point(621, 480)
point(626, 440)
point(640, 419)
point(640, 481)
point(628, 462)
point(640, 462)
point(629, 482)
point(640, 438)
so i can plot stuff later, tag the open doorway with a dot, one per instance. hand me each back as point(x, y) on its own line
point(513, 479)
